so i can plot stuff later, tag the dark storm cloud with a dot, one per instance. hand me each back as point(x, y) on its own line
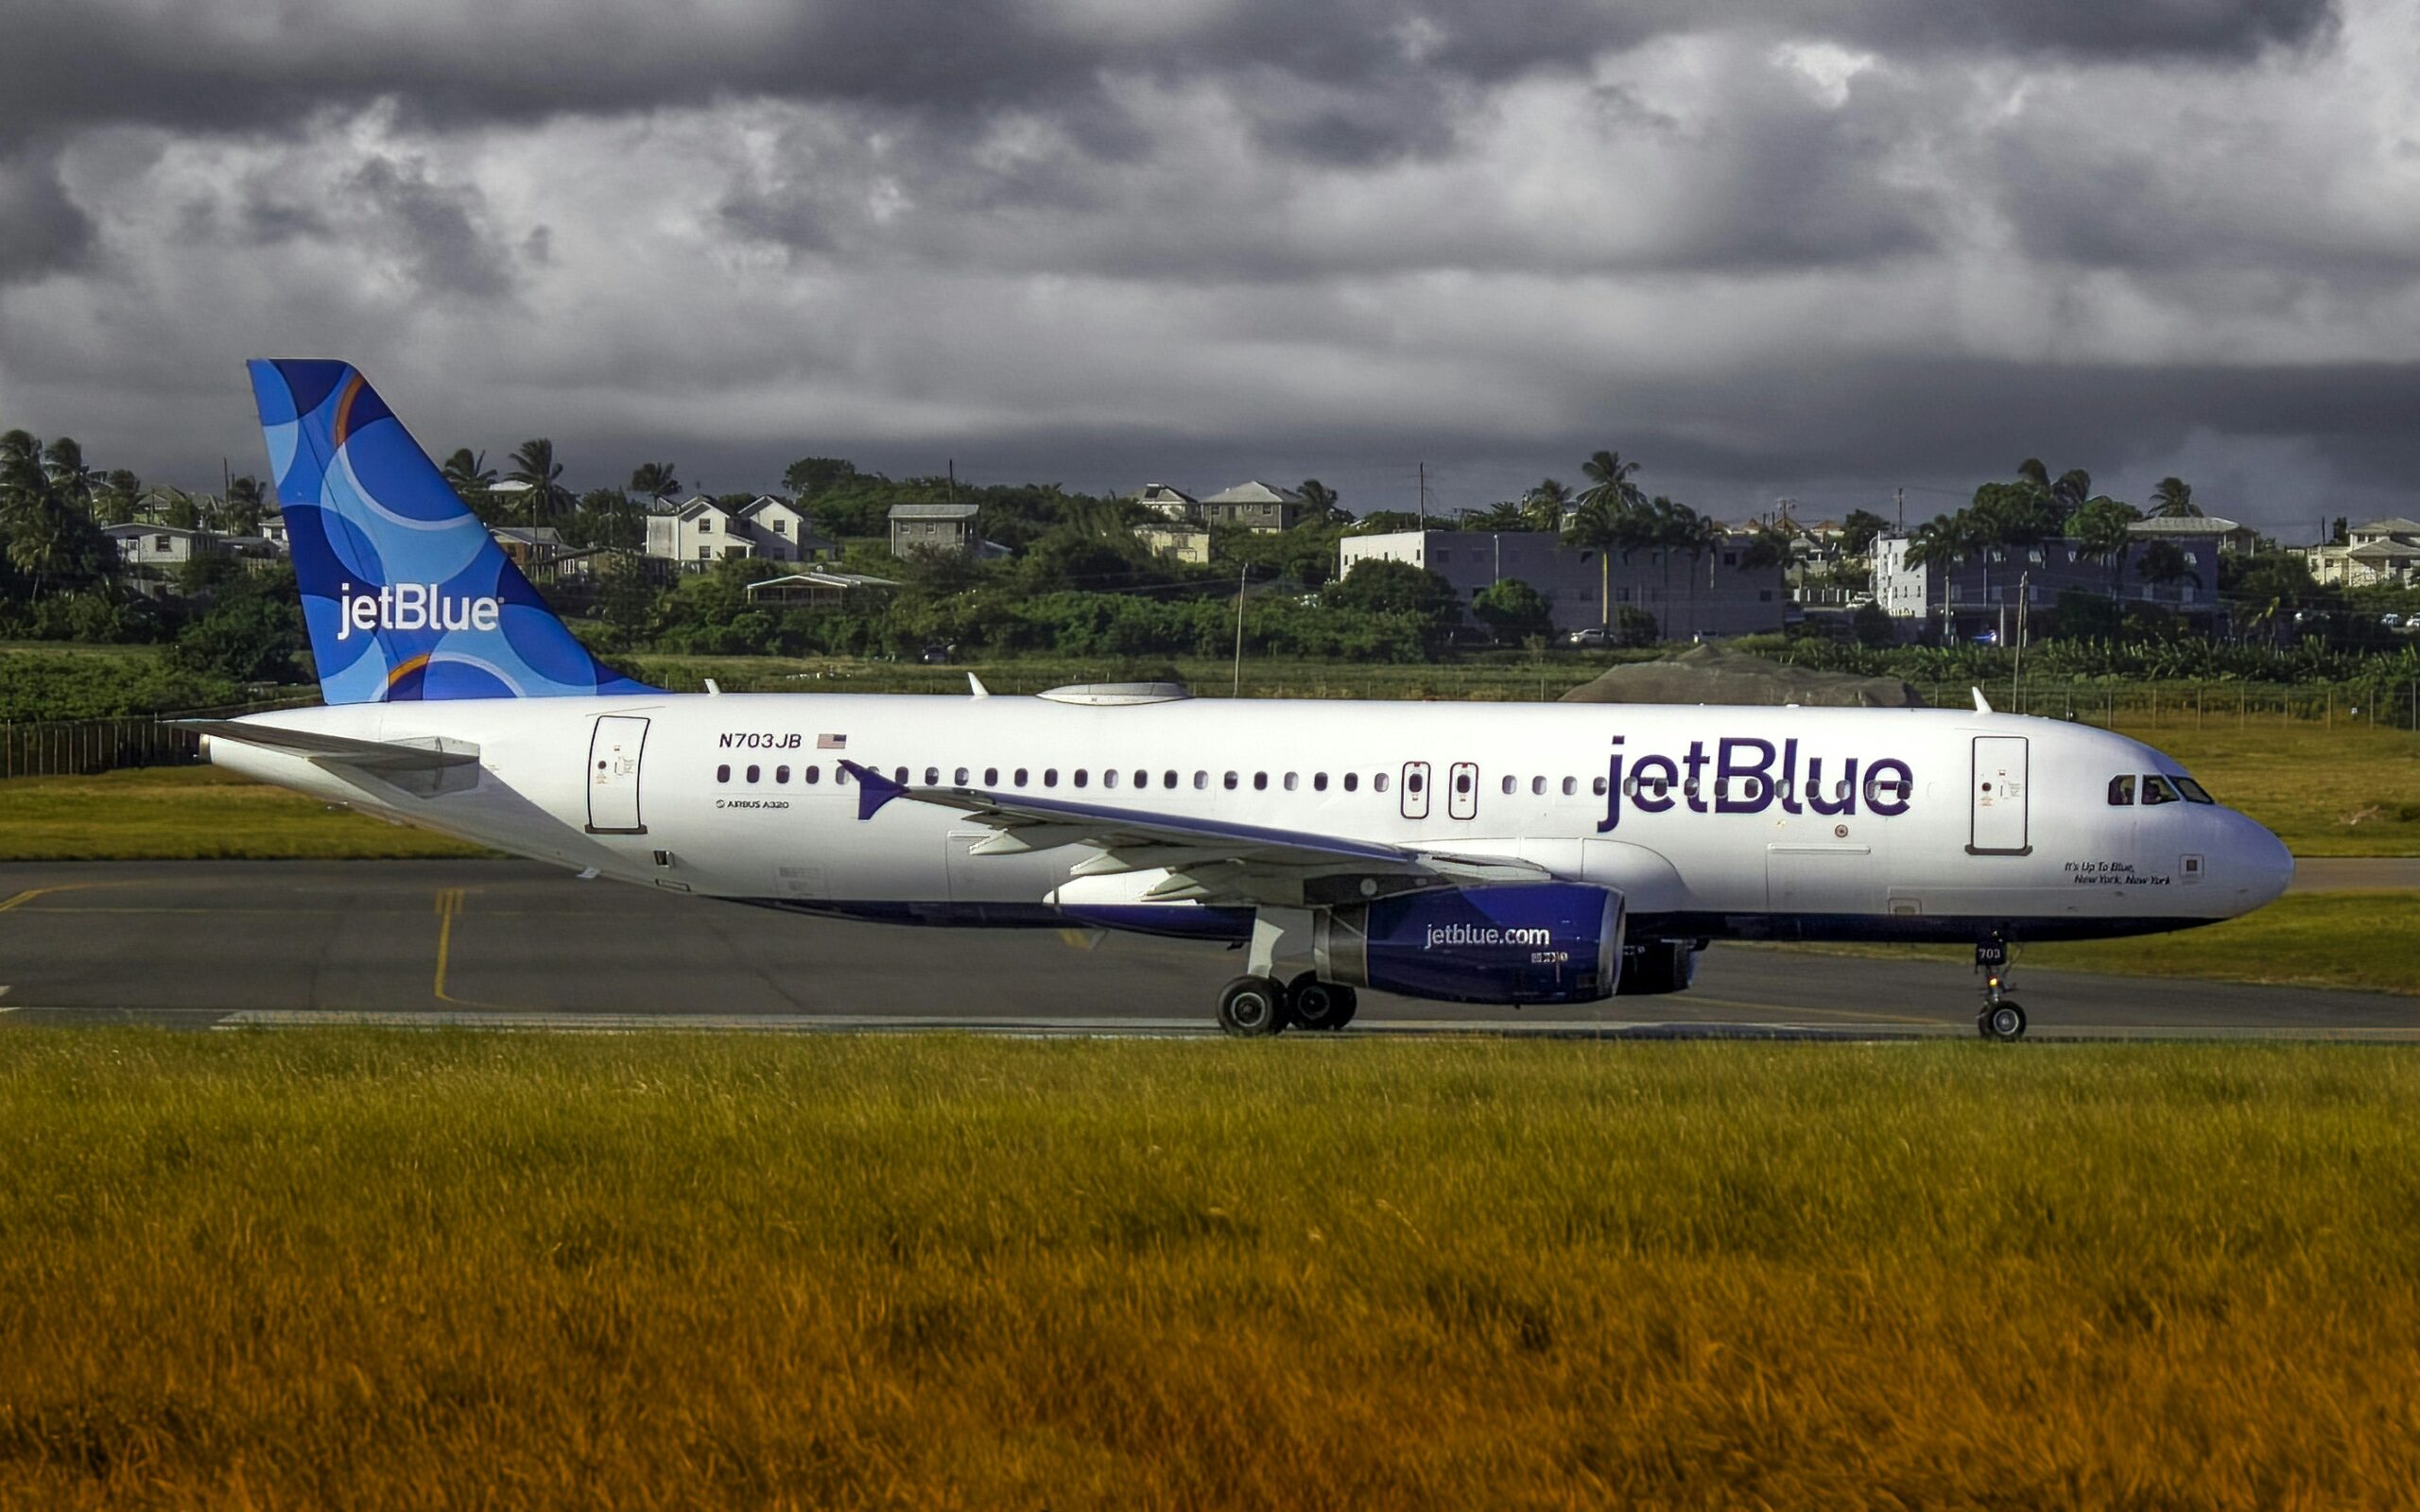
point(237, 64)
point(41, 230)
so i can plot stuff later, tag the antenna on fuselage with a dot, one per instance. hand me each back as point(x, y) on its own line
point(1982, 705)
point(974, 686)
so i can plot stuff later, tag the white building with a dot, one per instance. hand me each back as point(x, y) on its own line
point(1176, 542)
point(1169, 502)
point(701, 532)
point(163, 547)
point(2376, 552)
point(1706, 595)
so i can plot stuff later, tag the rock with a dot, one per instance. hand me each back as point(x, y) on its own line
point(1709, 674)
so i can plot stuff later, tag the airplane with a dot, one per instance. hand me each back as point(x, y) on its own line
point(1496, 853)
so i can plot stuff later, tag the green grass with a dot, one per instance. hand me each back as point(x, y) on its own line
point(424, 1270)
point(192, 812)
point(2365, 940)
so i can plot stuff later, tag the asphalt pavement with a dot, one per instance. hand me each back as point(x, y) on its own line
point(496, 942)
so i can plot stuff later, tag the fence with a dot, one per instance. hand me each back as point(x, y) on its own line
point(72, 748)
point(2391, 703)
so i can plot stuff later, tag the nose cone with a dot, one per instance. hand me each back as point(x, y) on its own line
point(2260, 866)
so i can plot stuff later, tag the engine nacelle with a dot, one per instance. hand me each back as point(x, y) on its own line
point(1521, 942)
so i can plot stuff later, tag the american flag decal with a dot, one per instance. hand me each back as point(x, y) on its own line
point(831, 743)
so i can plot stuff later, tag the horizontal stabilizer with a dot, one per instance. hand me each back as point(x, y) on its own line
point(364, 755)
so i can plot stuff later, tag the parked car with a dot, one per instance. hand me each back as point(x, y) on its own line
point(2391, 621)
point(1592, 635)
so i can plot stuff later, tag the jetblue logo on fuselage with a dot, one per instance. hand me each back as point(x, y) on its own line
point(412, 607)
point(1750, 776)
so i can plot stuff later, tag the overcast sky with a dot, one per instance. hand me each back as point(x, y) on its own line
point(1819, 248)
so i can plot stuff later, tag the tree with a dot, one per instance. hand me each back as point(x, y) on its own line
point(1859, 530)
point(246, 499)
point(534, 464)
point(119, 496)
point(2173, 499)
point(1513, 610)
point(1547, 503)
point(1769, 546)
point(1609, 480)
point(1320, 499)
point(2073, 488)
point(2102, 531)
point(810, 476)
point(1507, 514)
point(1393, 588)
point(71, 480)
point(467, 474)
point(1872, 624)
point(655, 480)
point(2163, 564)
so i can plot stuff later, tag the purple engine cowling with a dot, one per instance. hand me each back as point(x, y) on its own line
point(1521, 942)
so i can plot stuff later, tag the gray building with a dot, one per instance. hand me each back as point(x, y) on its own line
point(933, 527)
point(1704, 595)
point(1255, 506)
point(1981, 594)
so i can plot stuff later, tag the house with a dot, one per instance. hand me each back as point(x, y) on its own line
point(700, 532)
point(944, 528)
point(1167, 502)
point(2376, 552)
point(1255, 506)
point(813, 589)
point(1691, 596)
point(2206, 530)
point(164, 547)
point(1176, 542)
point(1979, 592)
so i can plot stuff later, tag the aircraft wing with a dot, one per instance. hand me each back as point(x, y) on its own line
point(1208, 860)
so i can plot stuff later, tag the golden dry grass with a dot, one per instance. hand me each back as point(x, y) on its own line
point(404, 1270)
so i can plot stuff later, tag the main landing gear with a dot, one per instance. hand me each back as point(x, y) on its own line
point(1251, 1006)
point(1263, 1003)
point(2000, 1018)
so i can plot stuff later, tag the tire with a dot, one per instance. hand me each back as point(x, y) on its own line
point(1251, 1007)
point(2004, 1021)
point(1317, 1006)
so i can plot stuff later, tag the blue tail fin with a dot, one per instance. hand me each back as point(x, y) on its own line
point(405, 593)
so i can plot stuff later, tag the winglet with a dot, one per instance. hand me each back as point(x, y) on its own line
point(874, 789)
point(1982, 705)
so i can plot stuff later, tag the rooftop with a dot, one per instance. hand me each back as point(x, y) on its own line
point(934, 512)
point(2199, 524)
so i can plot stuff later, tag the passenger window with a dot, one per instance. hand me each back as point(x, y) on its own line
point(2155, 789)
point(781, 774)
point(1167, 779)
point(960, 776)
point(1292, 781)
point(1143, 779)
point(1722, 787)
point(898, 774)
point(2193, 791)
point(752, 772)
point(1231, 781)
point(722, 774)
point(1050, 777)
point(932, 777)
point(1378, 784)
point(811, 776)
point(1080, 777)
point(1511, 785)
point(1598, 788)
point(1021, 777)
point(1629, 787)
point(1411, 783)
point(1200, 781)
point(2122, 791)
point(1570, 786)
point(1319, 781)
point(990, 777)
point(1109, 777)
point(840, 776)
point(1537, 785)
point(1260, 782)
point(1351, 782)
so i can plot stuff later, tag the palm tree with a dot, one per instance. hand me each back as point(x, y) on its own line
point(1507, 514)
point(2032, 471)
point(246, 501)
point(1599, 525)
point(1609, 479)
point(2173, 499)
point(120, 495)
point(467, 473)
point(534, 464)
point(63, 460)
point(655, 480)
point(2073, 488)
point(1547, 504)
point(1320, 498)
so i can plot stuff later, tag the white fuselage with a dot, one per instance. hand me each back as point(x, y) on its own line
point(1830, 823)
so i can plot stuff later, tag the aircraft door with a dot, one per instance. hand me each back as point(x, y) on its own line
point(613, 775)
point(1462, 797)
point(1415, 790)
point(2000, 796)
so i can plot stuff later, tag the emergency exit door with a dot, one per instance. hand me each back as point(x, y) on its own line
point(1414, 797)
point(1999, 798)
point(613, 775)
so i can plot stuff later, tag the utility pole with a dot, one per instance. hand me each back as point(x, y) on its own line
point(1423, 495)
point(1899, 501)
point(2024, 603)
point(1242, 578)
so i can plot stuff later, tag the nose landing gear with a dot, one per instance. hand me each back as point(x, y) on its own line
point(2000, 1018)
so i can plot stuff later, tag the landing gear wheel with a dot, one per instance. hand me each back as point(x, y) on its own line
point(1251, 1007)
point(2002, 1021)
point(1320, 1006)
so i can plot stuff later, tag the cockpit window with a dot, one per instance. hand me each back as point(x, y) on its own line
point(2122, 791)
point(2155, 789)
point(2193, 791)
